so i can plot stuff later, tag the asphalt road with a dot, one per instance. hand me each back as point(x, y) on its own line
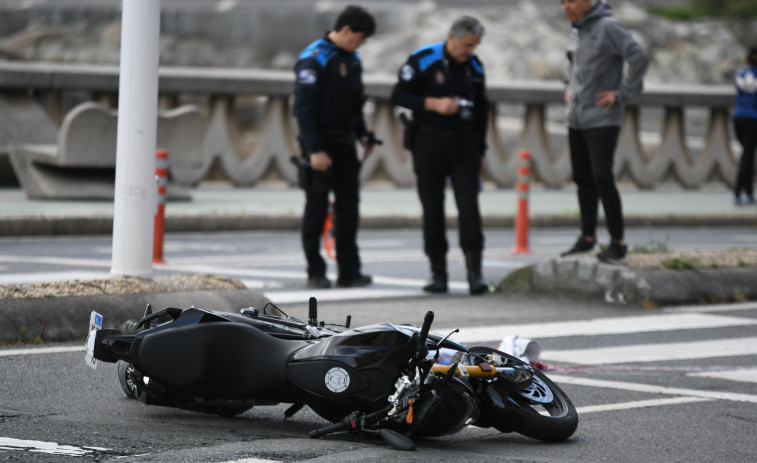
point(673, 384)
point(650, 410)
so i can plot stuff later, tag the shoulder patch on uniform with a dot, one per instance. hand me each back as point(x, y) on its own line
point(307, 77)
point(429, 54)
point(321, 50)
point(407, 72)
point(477, 66)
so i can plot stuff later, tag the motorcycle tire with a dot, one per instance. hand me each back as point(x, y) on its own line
point(126, 379)
point(561, 420)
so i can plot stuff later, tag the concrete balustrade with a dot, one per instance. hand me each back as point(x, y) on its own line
point(250, 133)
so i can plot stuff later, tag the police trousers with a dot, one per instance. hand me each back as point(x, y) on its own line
point(437, 156)
point(345, 185)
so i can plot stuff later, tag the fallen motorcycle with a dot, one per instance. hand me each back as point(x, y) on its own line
point(385, 380)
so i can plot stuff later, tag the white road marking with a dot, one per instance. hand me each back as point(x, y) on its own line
point(639, 404)
point(225, 5)
point(652, 389)
point(655, 352)
point(602, 326)
point(747, 375)
point(46, 277)
point(713, 308)
point(57, 260)
point(50, 448)
point(40, 350)
point(286, 297)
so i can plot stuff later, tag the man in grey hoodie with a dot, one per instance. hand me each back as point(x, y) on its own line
point(596, 94)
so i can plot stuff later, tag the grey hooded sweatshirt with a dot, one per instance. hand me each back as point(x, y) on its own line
point(598, 47)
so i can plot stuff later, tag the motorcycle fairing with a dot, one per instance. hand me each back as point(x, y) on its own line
point(207, 355)
point(369, 356)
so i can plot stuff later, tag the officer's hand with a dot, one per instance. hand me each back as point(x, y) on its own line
point(367, 146)
point(568, 96)
point(606, 99)
point(445, 106)
point(320, 161)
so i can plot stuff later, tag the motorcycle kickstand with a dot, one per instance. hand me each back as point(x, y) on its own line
point(291, 411)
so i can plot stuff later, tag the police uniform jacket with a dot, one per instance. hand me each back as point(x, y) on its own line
point(431, 72)
point(746, 93)
point(328, 94)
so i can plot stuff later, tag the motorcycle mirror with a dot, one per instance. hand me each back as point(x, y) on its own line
point(397, 440)
point(439, 344)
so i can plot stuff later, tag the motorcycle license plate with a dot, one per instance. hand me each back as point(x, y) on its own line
point(95, 323)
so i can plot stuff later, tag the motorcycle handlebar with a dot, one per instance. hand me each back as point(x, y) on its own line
point(427, 320)
point(320, 432)
point(350, 422)
point(313, 311)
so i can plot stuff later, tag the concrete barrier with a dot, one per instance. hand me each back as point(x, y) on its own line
point(82, 163)
point(251, 131)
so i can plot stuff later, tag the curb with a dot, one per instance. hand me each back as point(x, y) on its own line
point(101, 224)
point(621, 284)
point(63, 319)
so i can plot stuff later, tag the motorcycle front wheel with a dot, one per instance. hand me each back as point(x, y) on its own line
point(541, 410)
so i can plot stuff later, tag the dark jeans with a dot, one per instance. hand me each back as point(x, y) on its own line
point(346, 198)
point(591, 154)
point(436, 156)
point(746, 132)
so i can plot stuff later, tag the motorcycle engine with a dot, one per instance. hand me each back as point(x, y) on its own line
point(446, 406)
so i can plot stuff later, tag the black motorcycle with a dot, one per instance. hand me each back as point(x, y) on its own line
point(384, 379)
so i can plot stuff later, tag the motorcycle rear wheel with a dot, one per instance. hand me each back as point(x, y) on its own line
point(126, 378)
point(541, 411)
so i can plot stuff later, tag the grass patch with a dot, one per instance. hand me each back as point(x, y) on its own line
point(650, 248)
point(676, 13)
point(681, 263)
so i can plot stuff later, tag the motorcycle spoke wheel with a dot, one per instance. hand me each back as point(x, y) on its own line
point(541, 411)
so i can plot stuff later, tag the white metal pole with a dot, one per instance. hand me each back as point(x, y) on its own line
point(136, 191)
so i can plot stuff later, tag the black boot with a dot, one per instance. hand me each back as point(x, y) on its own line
point(476, 281)
point(438, 282)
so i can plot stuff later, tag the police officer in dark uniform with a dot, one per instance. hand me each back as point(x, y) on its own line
point(443, 84)
point(328, 106)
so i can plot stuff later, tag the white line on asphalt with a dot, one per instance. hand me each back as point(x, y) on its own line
point(747, 375)
point(57, 260)
point(600, 326)
point(639, 404)
point(45, 277)
point(50, 448)
point(40, 350)
point(285, 297)
point(713, 308)
point(655, 352)
point(652, 389)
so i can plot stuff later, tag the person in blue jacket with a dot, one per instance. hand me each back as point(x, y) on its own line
point(328, 102)
point(596, 94)
point(745, 126)
point(443, 85)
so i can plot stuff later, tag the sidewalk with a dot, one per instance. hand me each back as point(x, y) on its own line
point(217, 207)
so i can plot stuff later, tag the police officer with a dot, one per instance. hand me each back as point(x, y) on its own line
point(443, 84)
point(328, 108)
